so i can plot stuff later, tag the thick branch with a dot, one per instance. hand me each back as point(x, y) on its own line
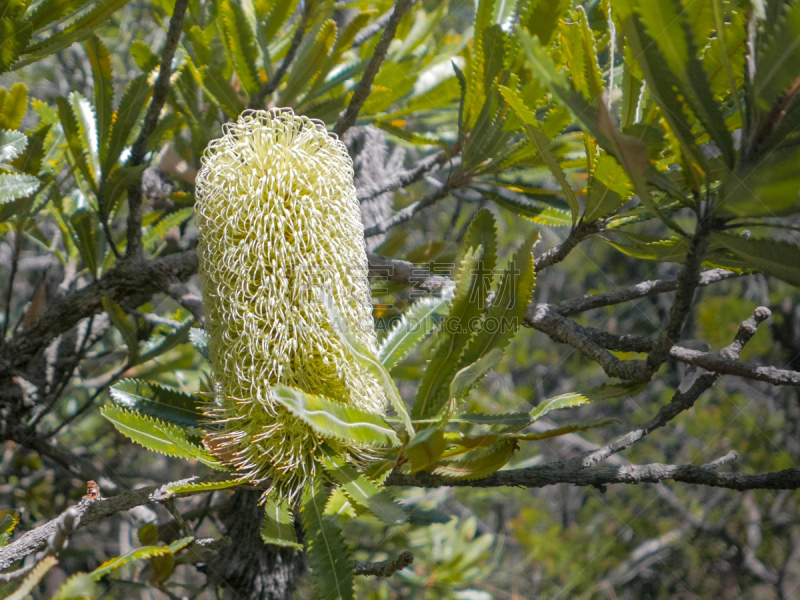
point(348, 117)
point(160, 90)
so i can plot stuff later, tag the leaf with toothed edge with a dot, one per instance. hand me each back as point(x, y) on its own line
point(277, 528)
point(158, 436)
point(335, 421)
point(478, 463)
point(414, 325)
point(157, 401)
point(330, 559)
point(203, 486)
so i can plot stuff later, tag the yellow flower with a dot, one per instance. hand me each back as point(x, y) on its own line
point(280, 225)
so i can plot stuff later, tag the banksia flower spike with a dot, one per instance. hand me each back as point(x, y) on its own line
point(279, 225)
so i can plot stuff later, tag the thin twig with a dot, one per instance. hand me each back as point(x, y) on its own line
point(406, 213)
point(138, 150)
point(364, 87)
point(406, 177)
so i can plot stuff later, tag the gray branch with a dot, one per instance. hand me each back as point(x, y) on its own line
point(385, 568)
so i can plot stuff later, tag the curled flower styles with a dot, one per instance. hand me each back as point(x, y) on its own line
point(279, 224)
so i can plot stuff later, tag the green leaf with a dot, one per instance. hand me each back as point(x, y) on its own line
point(193, 487)
point(75, 32)
point(505, 315)
point(565, 429)
point(542, 143)
point(8, 521)
point(766, 189)
point(310, 59)
point(557, 402)
point(412, 327)
point(115, 185)
point(77, 150)
point(515, 419)
point(332, 420)
point(13, 186)
point(139, 554)
point(541, 17)
point(219, 90)
point(666, 25)
point(478, 463)
point(127, 327)
point(779, 259)
point(425, 449)
point(153, 235)
point(157, 401)
point(55, 11)
point(125, 118)
point(199, 339)
point(277, 528)
point(240, 43)
point(466, 378)
point(778, 56)
point(100, 59)
point(609, 188)
point(433, 392)
point(362, 355)
point(14, 106)
point(649, 247)
point(83, 223)
point(80, 586)
point(158, 436)
point(364, 492)
point(12, 144)
point(329, 557)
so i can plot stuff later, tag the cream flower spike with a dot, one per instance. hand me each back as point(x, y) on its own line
point(279, 226)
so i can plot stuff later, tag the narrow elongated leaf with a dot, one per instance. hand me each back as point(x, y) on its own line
point(157, 401)
point(336, 421)
point(425, 449)
point(277, 528)
point(433, 392)
point(128, 328)
point(240, 43)
point(220, 91)
point(13, 186)
point(466, 378)
point(155, 233)
point(77, 151)
point(768, 189)
point(100, 59)
point(125, 118)
point(368, 361)
point(515, 419)
point(75, 32)
point(505, 315)
point(778, 55)
point(329, 557)
point(414, 325)
point(12, 144)
point(779, 259)
point(139, 554)
point(158, 436)
point(310, 59)
point(364, 492)
point(201, 486)
point(565, 429)
point(14, 106)
point(83, 223)
point(563, 401)
point(610, 188)
point(115, 185)
point(478, 463)
point(542, 143)
point(541, 17)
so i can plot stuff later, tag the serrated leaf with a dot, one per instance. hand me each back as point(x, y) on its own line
point(199, 339)
point(12, 144)
point(541, 17)
point(778, 55)
point(542, 143)
point(55, 11)
point(83, 223)
point(125, 118)
point(565, 429)
point(142, 553)
point(14, 106)
point(364, 492)
point(80, 586)
point(557, 402)
point(219, 90)
point(143, 55)
point(36, 575)
point(649, 247)
point(8, 521)
point(515, 419)
point(467, 377)
point(13, 186)
point(307, 67)
point(505, 315)
point(609, 188)
point(153, 235)
point(768, 189)
point(779, 259)
point(332, 420)
point(412, 327)
point(277, 528)
point(100, 59)
point(164, 342)
point(425, 449)
point(451, 339)
point(478, 463)
point(328, 555)
point(75, 146)
point(367, 360)
point(115, 185)
point(157, 401)
point(202, 486)
point(239, 41)
point(158, 436)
